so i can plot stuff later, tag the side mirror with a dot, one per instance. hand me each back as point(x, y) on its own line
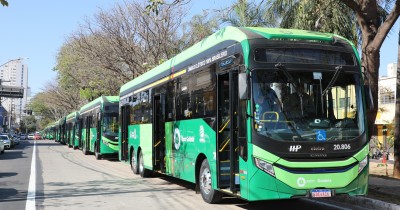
point(243, 86)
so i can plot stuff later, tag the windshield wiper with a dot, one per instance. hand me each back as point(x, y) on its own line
point(282, 67)
point(333, 80)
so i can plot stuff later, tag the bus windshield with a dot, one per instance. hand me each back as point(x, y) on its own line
point(110, 124)
point(307, 105)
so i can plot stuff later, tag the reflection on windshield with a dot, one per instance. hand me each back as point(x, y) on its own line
point(110, 124)
point(295, 109)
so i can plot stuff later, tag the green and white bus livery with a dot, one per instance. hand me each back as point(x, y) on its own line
point(99, 126)
point(257, 113)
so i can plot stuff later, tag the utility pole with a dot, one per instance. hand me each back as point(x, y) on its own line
point(396, 147)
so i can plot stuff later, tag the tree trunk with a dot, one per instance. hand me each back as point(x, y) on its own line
point(396, 147)
point(371, 62)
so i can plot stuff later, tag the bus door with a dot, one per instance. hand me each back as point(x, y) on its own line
point(125, 120)
point(98, 133)
point(227, 158)
point(159, 132)
point(80, 127)
point(86, 144)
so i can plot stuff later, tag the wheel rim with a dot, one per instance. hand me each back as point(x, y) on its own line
point(205, 181)
point(141, 163)
point(134, 164)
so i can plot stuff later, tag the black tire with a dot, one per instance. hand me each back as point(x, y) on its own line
point(84, 151)
point(2, 152)
point(134, 163)
point(142, 170)
point(96, 153)
point(209, 194)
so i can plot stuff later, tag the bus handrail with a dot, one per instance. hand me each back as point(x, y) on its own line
point(155, 145)
point(224, 126)
point(226, 143)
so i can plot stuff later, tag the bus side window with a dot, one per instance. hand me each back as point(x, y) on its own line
point(169, 99)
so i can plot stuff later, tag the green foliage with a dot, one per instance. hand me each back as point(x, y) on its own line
point(4, 2)
point(28, 124)
point(247, 14)
point(328, 16)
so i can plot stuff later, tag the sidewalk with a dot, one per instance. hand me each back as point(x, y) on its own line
point(383, 190)
point(382, 185)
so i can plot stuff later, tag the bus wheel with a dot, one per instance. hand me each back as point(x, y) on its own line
point(84, 151)
point(96, 153)
point(134, 163)
point(142, 170)
point(209, 194)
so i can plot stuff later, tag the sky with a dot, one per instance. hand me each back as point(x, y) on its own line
point(36, 30)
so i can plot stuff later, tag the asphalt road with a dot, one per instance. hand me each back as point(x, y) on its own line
point(67, 179)
point(15, 167)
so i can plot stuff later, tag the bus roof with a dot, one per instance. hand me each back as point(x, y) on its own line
point(72, 115)
point(235, 34)
point(98, 101)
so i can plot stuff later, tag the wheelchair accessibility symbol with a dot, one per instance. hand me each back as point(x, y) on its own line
point(321, 135)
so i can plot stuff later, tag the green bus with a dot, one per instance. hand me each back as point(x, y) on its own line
point(49, 132)
point(72, 130)
point(256, 113)
point(60, 130)
point(99, 126)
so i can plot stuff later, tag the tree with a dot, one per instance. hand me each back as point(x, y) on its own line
point(28, 124)
point(374, 28)
point(4, 3)
point(245, 14)
point(77, 73)
point(396, 140)
point(123, 39)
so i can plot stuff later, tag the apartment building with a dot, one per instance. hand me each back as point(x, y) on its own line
point(15, 73)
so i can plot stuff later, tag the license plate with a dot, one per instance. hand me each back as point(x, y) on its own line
point(321, 193)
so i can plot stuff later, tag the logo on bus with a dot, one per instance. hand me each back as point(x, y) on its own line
point(177, 138)
point(294, 148)
point(133, 134)
point(201, 130)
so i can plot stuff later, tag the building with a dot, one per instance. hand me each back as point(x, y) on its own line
point(15, 73)
point(384, 122)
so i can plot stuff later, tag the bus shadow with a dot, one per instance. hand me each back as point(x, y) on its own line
point(7, 174)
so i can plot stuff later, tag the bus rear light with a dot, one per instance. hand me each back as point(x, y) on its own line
point(362, 164)
point(263, 165)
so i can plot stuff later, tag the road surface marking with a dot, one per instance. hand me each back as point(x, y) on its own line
point(30, 199)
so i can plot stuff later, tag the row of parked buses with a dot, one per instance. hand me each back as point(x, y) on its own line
point(219, 115)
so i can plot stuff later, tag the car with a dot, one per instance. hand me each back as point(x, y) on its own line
point(37, 136)
point(6, 141)
point(30, 136)
point(16, 139)
point(2, 146)
point(10, 137)
point(22, 136)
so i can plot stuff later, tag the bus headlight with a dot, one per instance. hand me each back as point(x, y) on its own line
point(263, 165)
point(362, 164)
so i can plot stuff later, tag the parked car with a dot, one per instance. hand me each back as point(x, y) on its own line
point(30, 136)
point(2, 146)
point(10, 137)
point(22, 136)
point(16, 139)
point(37, 136)
point(6, 141)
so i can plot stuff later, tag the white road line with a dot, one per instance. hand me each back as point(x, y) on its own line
point(30, 199)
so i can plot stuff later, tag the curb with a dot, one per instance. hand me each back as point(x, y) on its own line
point(365, 202)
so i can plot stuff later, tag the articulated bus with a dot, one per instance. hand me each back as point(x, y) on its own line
point(256, 113)
point(99, 126)
point(72, 130)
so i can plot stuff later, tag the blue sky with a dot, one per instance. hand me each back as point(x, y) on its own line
point(37, 29)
